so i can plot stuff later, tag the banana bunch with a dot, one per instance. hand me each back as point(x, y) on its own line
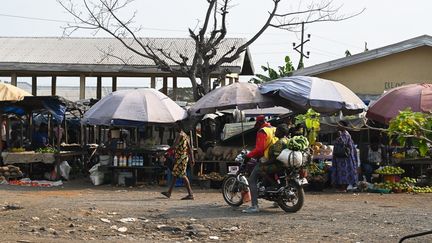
point(298, 143)
point(17, 150)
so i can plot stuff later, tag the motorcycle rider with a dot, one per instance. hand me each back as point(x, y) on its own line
point(264, 138)
point(270, 166)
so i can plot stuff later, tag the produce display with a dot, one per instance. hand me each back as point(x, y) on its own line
point(425, 189)
point(297, 143)
point(313, 169)
point(406, 184)
point(390, 170)
point(46, 150)
point(17, 150)
point(399, 155)
point(321, 149)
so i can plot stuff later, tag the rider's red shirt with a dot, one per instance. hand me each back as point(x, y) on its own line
point(260, 144)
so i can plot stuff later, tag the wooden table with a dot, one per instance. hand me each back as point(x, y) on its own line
point(27, 157)
point(423, 163)
point(134, 170)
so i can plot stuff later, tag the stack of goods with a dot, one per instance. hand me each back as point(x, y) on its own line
point(390, 173)
point(321, 149)
point(218, 153)
point(211, 180)
point(213, 176)
point(10, 171)
point(296, 155)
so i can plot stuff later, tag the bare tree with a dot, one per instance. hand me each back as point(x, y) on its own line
point(206, 60)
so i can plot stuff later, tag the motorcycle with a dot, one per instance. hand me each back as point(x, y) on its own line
point(286, 189)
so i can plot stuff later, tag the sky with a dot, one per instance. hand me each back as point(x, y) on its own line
point(382, 23)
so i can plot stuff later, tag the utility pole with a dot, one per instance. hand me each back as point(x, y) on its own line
point(300, 65)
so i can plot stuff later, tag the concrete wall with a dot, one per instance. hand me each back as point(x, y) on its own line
point(375, 76)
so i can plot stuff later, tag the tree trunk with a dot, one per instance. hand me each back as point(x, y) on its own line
point(196, 95)
point(205, 82)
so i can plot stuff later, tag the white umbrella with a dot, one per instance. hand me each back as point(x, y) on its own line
point(134, 108)
point(236, 95)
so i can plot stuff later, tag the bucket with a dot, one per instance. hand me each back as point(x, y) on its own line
point(390, 178)
point(246, 196)
point(122, 177)
point(105, 159)
point(179, 181)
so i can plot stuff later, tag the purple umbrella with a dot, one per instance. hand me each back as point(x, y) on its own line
point(418, 97)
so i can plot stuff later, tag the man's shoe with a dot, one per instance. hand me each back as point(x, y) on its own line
point(252, 209)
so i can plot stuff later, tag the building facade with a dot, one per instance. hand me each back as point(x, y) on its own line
point(371, 73)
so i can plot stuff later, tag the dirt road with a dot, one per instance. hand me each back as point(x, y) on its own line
point(79, 211)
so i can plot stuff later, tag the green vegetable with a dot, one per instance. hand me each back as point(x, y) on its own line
point(297, 143)
point(46, 150)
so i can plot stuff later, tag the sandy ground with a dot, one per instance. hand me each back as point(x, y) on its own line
point(79, 211)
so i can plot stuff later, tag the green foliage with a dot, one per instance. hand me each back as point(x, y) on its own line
point(311, 120)
point(414, 125)
point(283, 71)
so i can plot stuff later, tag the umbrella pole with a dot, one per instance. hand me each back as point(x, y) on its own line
point(1, 130)
point(243, 139)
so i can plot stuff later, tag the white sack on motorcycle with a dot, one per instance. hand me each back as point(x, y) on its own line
point(292, 158)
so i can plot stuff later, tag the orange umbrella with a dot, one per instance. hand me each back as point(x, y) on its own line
point(11, 93)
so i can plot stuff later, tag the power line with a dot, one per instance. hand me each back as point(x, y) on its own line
point(339, 42)
point(34, 18)
point(144, 28)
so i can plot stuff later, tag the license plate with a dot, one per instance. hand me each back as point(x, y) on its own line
point(303, 181)
point(232, 170)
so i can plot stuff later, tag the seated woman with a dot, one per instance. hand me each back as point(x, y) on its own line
point(374, 159)
point(40, 138)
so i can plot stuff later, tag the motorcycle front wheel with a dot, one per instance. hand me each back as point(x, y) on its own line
point(292, 198)
point(231, 191)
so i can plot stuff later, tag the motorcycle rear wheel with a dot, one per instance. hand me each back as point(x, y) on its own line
point(292, 198)
point(231, 191)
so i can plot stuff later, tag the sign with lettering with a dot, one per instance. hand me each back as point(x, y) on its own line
point(391, 85)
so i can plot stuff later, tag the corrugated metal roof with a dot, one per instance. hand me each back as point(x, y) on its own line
point(424, 40)
point(79, 53)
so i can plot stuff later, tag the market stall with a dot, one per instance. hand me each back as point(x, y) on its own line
point(404, 113)
point(215, 159)
point(29, 147)
point(137, 127)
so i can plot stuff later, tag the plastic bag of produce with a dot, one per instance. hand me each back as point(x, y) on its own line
point(291, 158)
point(64, 169)
point(96, 176)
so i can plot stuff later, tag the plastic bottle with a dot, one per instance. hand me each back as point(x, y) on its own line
point(115, 161)
point(122, 159)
